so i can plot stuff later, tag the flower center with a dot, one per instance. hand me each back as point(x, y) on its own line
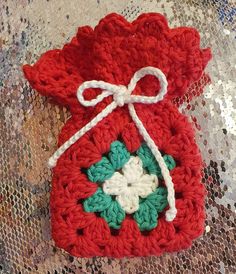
point(131, 184)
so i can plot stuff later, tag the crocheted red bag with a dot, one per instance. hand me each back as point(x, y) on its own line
point(125, 185)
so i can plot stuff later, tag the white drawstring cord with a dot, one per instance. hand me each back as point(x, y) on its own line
point(123, 95)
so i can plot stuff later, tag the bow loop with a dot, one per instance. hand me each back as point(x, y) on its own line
point(122, 94)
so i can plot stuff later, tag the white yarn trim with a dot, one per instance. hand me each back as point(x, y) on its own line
point(123, 95)
point(131, 184)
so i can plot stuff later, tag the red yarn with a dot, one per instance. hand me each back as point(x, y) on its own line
point(112, 52)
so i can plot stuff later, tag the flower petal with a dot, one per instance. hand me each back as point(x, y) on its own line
point(146, 216)
point(129, 202)
point(148, 160)
point(118, 155)
point(100, 171)
point(158, 199)
point(170, 162)
point(114, 215)
point(145, 185)
point(115, 185)
point(133, 170)
point(98, 202)
point(150, 163)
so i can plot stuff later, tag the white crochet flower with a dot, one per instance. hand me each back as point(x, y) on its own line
point(131, 183)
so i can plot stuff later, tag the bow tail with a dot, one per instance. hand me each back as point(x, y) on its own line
point(106, 111)
point(171, 212)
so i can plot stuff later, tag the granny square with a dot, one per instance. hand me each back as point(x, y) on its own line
point(127, 171)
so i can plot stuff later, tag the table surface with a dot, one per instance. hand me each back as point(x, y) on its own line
point(29, 125)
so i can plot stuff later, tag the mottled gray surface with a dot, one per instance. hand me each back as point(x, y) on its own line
point(29, 125)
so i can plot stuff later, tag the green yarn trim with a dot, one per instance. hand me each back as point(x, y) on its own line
point(118, 155)
point(114, 215)
point(110, 210)
point(150, 163)
point(100, 171)
point(158, 199)
point(98, 202)
point(170, 162)
point(149, 207)
point(146, 216)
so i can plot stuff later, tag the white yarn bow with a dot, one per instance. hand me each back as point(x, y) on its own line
point(123, 95)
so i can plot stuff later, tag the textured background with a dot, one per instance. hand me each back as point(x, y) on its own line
point(29, 125)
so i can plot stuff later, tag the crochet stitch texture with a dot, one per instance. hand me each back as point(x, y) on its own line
point(133, 189)
point(113, 52)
